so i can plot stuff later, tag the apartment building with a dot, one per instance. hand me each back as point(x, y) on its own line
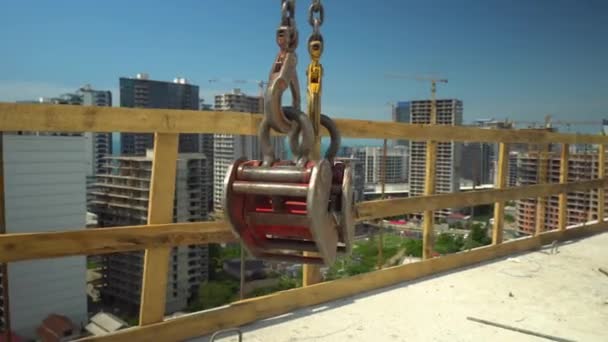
point(142, 92)
point(581, 205)
point(371, 158)
point(448, 171)
point(122, 198)
point(401, 113)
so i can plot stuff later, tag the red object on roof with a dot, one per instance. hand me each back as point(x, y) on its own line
point(456, 216)
point(54, 328)
point(401, 221)
point(14, 337)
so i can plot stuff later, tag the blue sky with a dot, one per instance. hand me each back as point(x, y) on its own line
point(520, 59)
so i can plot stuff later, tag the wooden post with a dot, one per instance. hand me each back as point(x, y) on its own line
point(429, 184)
point(563, 197)
point(543, 156)
point(160, 210)
point(601, 191)
point(501, 182)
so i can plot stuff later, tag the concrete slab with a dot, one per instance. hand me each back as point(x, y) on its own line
point(560, 294)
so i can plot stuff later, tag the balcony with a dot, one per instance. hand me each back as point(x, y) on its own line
point(415, 306)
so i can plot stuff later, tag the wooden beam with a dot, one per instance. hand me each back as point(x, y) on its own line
point(563, 197)
point(61, 118)
point(429, 189)
point(92, 241)
point(370, 210)
point(160, 210)
point(254, 309)
point(30, 246)
point(501, 183)
point(601, 191)
point(541, 201)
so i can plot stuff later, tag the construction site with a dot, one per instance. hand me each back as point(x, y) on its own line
point(522, 258)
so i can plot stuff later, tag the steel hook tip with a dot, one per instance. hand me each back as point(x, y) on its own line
point(282, 76)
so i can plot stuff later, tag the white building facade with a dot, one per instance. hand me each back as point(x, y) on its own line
point(44, 179)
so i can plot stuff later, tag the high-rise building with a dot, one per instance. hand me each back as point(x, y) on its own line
point(92, 97)
point(371, 157)
point(512, 168)
point(478, 158)
point(227, 147)
point(447, 175)
point(484, 171)
point(581, 205)
point(98, 145)
point(144, 92)
point(121, 198)
point(44, 189)
point(401, 113)
point(358, 174)
point(237, 101)
point(206, 147)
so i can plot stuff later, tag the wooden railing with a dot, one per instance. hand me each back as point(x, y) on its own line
point(159, 235)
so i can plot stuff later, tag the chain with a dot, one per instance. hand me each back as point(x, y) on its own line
point(287, 34)
point(314, 72)
point(283, 74)
point(316, 21)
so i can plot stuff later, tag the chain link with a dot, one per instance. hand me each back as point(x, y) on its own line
point(283, 75)
point(287, 34)
point(314, 73)
point(316, 21)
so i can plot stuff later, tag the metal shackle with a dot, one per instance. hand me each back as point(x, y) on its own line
point(334, 139)
point(301, 127)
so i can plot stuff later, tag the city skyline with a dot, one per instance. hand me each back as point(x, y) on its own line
point(520, 61)
point(458, 170)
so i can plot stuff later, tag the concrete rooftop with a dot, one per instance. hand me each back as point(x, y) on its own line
point(560, 294)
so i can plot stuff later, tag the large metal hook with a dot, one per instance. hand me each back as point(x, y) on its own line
point(282, 76)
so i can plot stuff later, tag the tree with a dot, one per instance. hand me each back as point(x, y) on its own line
point(448, 243)
point(285, 283)
point(509, 218)
point(215, 293)
point(477, 237)
point(413, 247)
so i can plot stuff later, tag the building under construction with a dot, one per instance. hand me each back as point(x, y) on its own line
point(447, 178)
point(581, 205)
point(121, 199)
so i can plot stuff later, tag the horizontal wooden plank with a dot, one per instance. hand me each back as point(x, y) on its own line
point(44, 117)
point(247, 311)
point(400, 206)
point(62, 118)
point(28, 246)
point(15, 247)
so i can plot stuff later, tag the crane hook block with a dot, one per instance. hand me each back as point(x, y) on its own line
point(284, 209)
